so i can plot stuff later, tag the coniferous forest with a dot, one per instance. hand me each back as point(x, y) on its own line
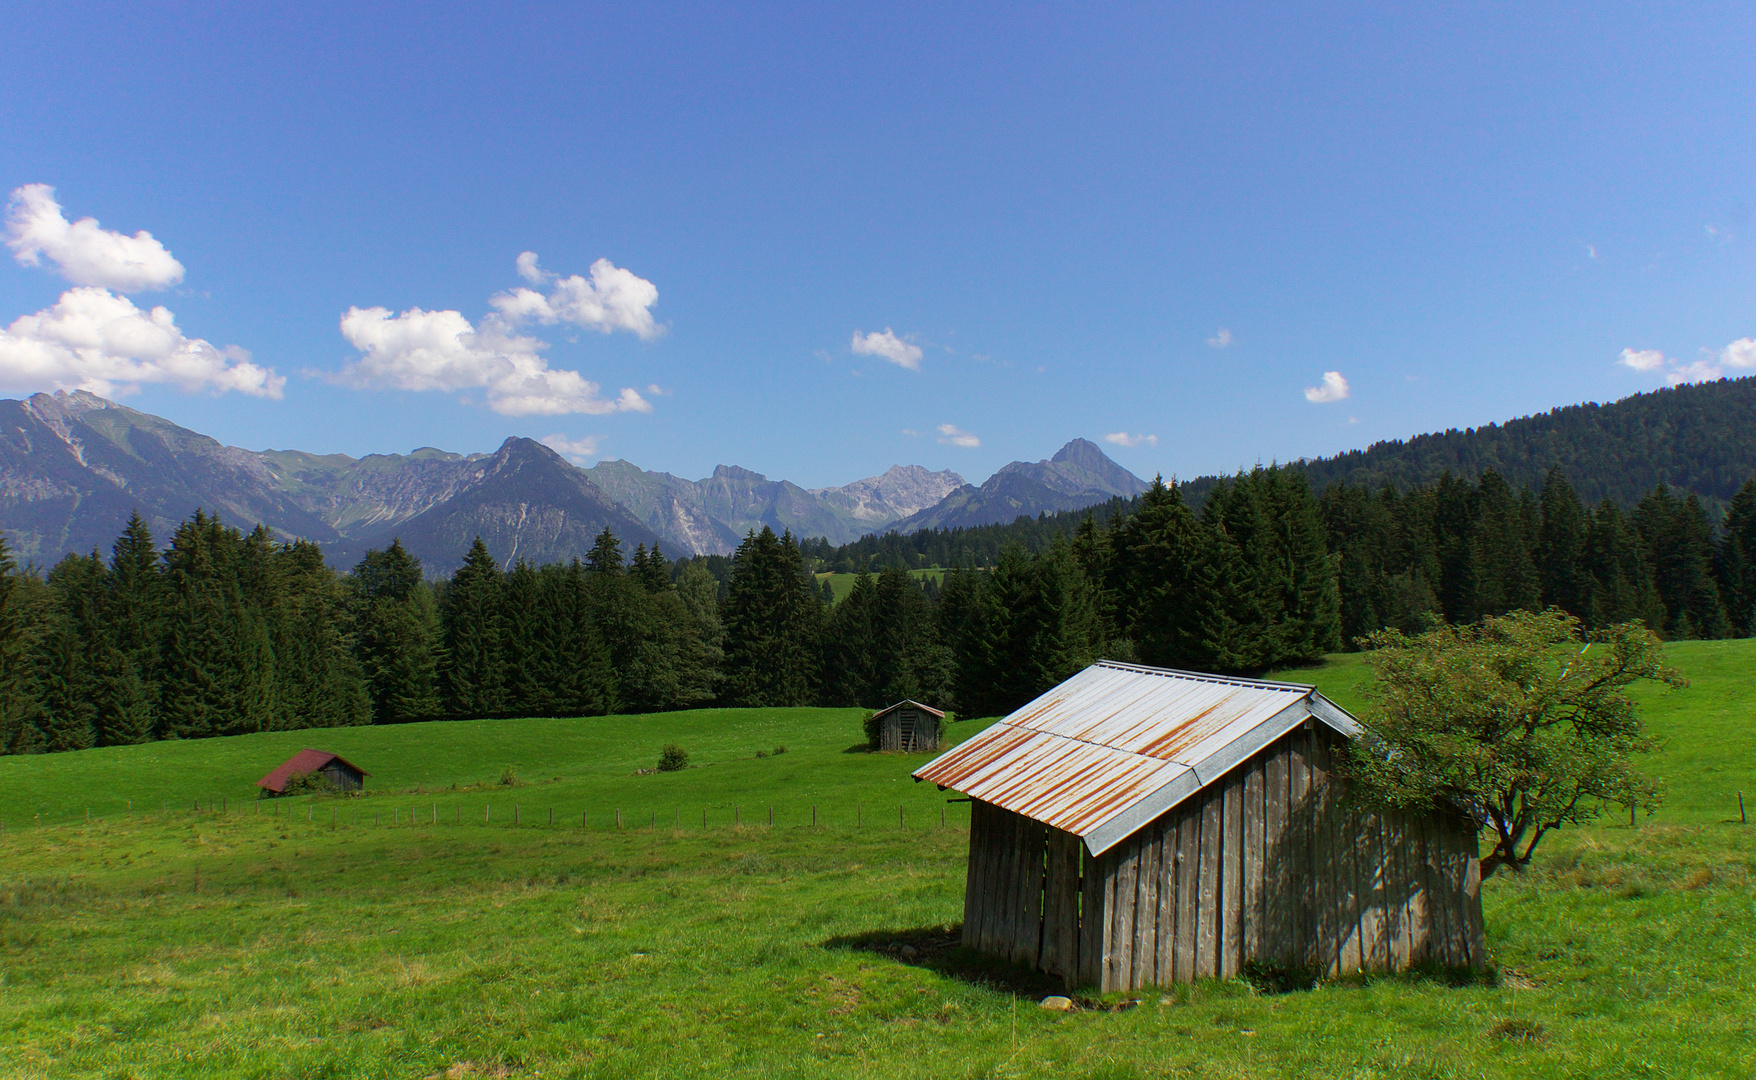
point(222, 632)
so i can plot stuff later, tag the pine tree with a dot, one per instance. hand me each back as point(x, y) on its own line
point(218, 663)
point(19, 618)
point(1566, 583)
point(1678, 539)
point(773, 623)
point(584, 677)
point(1622, 589)
point(1502, 575)
point(1736, 562)
point(605, 556)
point(396, 635)
point(69, 647)
point(320, 682)
point(473, 674)
point(134, 614)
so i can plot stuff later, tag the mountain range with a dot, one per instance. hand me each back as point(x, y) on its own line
point(74, 465)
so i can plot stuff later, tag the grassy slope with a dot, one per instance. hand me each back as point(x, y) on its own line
point(196, 944)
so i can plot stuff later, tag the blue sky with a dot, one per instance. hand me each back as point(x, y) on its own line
point(1167, 221)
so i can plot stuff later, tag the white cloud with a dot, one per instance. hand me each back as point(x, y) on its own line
point(888, 346)
point(582, 451)
point(94, 340)
point(1334, 388)
point(82, 252)
point(440, 350)
point(613, 299)
point(1739, 354)
point(1122, 438)
point(1221, 339)
point(952, 435)
point(1642, 359)
point(911, 432)
point(1699, 371)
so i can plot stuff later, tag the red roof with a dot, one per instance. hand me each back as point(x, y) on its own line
point(305, 761)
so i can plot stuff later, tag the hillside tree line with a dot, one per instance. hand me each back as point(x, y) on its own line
point(225, 632)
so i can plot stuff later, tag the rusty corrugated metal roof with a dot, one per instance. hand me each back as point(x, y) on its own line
point(1117, 741)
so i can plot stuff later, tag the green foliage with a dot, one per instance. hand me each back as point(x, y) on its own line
point(309, 783)
point(673, 758)
point(1519, 721)
point(773, 625)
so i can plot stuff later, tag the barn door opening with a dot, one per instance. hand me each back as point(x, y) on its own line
point(906, 721)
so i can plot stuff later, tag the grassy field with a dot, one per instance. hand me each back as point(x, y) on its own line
point(842, 584)
point(182, 942)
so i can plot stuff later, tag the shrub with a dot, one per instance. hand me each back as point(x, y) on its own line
point(779, 750)
point(872, 730)
point(309, 783)
point(761, 753)
point(672, 758)
point(509, 778)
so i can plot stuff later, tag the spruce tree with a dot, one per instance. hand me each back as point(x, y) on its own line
point(773, 624)
point(1736, 562)
point(605, 556)
point(134, 614)
point(69, 647)
point(1566, 583)
point(473, 674)
point(19, 619)
point(320, 681)
point(218, 663)
point(396, 636)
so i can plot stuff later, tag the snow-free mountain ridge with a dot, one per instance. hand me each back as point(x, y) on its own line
point(74, 465)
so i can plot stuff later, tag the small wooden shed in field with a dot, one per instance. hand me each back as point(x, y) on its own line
point(343, 774)
point(1137, 826)
point(908, 726)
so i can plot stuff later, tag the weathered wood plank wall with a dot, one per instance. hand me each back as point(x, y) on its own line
point(1264, 865)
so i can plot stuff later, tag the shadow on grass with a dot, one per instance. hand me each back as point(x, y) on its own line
point(938, 949)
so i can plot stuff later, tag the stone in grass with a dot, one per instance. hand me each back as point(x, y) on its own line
point(1057, 1003)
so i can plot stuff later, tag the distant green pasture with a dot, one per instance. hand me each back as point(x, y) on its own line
point(842, 584)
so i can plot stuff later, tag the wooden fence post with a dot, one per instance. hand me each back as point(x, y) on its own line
point(1742, 820)
point(704, 819)
point(436, 813)
point(735, 819)
point(487, 812)
point(899, 817)
point(551, 815)
point(618, 817)
point(652, 825)
point(859, 817)
point(515, 813)
point(771, 815)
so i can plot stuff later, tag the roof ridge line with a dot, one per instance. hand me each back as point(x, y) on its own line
point(1204, 676)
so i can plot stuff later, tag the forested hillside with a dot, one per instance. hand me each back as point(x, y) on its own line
point(226, 632)
point(1700, 438)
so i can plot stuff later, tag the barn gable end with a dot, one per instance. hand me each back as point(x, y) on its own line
point(1258, 862)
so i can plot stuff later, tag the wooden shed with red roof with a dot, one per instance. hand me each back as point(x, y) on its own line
point(336, 770)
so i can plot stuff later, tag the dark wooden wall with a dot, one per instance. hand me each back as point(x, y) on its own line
point(923, 733)
point(344, 778)
point(1262, 865)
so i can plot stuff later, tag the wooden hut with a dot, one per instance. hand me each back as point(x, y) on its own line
point(1136, 826)
point(908, 726)
point(343, 774)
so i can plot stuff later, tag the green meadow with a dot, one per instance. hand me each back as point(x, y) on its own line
point(187, 929)
point(842, 584)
